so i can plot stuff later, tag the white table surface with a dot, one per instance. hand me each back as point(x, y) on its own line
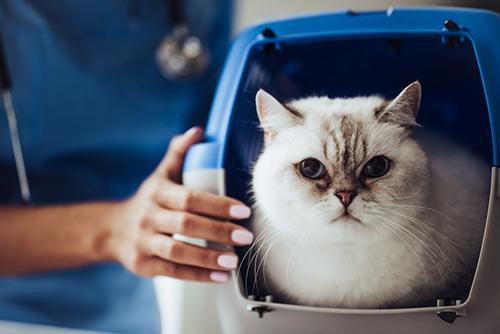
point(7, 327)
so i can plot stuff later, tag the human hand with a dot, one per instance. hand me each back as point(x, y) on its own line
point(142, 226)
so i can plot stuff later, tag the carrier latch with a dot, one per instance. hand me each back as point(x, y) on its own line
point(260, 309)
point(451, 315)
point(456, 41)
point(273, 46)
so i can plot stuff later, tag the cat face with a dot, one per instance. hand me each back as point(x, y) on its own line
point(340, 168)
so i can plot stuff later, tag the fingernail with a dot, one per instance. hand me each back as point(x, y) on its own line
point(218, 276)
point(242, 237)
point(239, 211)
point(227, 261)
point(192, 131)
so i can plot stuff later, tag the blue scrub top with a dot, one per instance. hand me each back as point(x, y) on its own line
point(95, 117)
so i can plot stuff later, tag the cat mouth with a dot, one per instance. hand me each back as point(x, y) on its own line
point(346, 217)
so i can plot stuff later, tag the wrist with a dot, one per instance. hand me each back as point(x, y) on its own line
point(106, 241)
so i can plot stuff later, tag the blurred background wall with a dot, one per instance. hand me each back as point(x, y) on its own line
point(250, 11)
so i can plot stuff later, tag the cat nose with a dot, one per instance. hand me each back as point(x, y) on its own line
point(346, 196)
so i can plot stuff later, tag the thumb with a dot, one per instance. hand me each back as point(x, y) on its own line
point(171, 165)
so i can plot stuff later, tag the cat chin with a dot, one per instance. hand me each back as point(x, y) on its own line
point(344, 218)
point(349, 233)
point(326, 233)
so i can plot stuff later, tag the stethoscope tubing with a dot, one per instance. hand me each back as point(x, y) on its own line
point(16, 145)
point(6, 86)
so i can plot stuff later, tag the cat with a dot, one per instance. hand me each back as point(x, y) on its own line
point(350, 211)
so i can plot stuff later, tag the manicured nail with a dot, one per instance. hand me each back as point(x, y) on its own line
point(239, 211)
point(192, 131)
point(227, 261)
point(242, 237)
point(219, 276)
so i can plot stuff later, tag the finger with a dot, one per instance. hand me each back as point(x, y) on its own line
point(171, 165)
point(176, 251)
point(179, 198)
point(196, 226)
point(160, 267)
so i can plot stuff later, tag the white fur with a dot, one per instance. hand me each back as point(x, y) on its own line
point(309, 260)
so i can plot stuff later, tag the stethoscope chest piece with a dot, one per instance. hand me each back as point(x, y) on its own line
point(181, 55)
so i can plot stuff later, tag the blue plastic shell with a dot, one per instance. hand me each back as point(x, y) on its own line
point(481, 28)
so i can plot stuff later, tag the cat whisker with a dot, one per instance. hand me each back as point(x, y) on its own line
point(420, 208)
point(263, 263)
point(430, 228)
point(248, 253)
point(387, 227)
point(265, 240)
point(304, 243)
point(431, 253)
point(410, 192)
point(261, 235)
point(393, 198)
point(301, 240)
point(271, 240)
point(304, 237)
point(264, 236)
point(253, 261)
point(442, 255)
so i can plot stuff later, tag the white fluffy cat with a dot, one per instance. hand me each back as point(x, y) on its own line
point(352, 212)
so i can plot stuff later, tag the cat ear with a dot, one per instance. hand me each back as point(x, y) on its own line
point(273, 115)
point(404, 108)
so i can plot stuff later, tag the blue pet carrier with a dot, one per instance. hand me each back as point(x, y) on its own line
point(454, 53)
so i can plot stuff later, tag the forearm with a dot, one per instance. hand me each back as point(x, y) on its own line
point(37, 239)
point(137, 233)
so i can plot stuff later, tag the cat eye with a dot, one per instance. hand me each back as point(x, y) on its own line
point(312, 168)
point(377, 166)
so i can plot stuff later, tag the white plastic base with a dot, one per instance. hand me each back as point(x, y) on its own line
point(189, 307)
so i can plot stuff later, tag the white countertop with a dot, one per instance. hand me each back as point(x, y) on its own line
point(7, 327)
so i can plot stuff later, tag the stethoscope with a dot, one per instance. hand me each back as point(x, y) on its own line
point(180, 56)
